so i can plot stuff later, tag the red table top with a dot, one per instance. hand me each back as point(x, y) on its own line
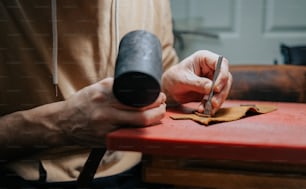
point(278, 136)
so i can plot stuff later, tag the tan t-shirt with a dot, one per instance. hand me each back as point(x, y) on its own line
point(87, 49)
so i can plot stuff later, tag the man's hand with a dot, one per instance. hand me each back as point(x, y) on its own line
point(191, 79)
point(94, 111)
point(83, 119)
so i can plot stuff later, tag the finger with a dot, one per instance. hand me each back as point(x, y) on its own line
point(144, 118)
point(219, 98)
point(161, 99)
point(201, 107)
point(223, 76)
point(189, 97)
point(206, 62)
point(200, 85)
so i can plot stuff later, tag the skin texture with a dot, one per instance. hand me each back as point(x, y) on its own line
point(87, 116)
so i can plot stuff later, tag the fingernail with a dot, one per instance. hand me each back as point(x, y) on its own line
point(164, 98)
point(215, 102)
point(200, 108)
point(218, 88)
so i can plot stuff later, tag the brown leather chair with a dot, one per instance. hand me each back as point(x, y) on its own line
point(286, 83)
point(293, 54)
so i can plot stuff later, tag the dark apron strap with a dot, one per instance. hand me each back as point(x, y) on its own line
point(91, 165)
point(42, 172)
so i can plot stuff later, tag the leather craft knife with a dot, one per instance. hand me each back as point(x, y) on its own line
point(208, 105)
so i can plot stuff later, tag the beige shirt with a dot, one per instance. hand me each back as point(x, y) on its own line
point(87, 49)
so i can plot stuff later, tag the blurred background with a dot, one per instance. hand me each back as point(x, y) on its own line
point(244, 31)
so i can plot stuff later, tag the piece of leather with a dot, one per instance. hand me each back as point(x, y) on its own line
point(226, 114)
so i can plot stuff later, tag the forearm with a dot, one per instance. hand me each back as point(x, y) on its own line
point(33, 130)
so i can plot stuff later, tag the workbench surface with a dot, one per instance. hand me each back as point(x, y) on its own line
point(278, 136)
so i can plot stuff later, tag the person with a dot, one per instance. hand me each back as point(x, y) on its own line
point(47, 132)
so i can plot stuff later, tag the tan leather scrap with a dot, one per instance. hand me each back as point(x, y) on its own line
point(225, 114)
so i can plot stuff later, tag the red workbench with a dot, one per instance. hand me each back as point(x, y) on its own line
point(260, 151)
point(276, 136)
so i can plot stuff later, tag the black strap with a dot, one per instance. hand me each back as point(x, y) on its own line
point(42, 172)
point(91, 165)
